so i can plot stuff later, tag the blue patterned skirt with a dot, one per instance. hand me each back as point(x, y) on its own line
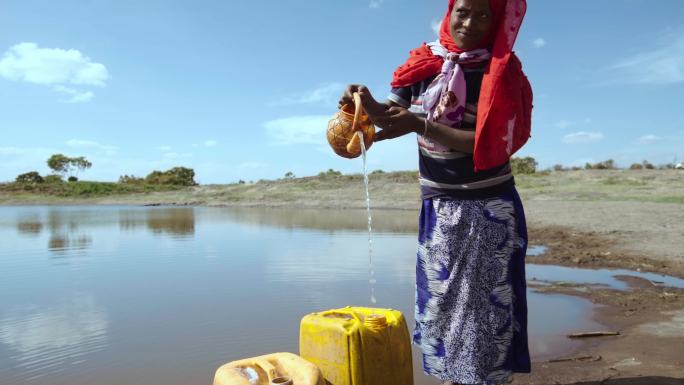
point(471, 307)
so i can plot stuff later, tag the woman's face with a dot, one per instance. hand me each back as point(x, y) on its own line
point(470, 23)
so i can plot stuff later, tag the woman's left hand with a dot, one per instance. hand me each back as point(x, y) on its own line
point(396, 122)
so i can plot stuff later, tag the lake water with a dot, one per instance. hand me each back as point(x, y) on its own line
point(137, 295)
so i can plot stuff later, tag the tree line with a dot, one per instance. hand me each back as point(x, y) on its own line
point(64, 167)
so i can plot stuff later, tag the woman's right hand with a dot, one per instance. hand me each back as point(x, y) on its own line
point(346, 97)
point(370, 105)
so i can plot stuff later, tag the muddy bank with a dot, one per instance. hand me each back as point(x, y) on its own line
point(637, 229)
point(648, 316)
point(648, 351)
point(566, 246)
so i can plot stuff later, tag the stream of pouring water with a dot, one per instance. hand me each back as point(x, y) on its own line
point(372, 279)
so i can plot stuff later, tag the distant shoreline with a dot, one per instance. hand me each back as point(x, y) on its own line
point(640, 212)
point(396, 190)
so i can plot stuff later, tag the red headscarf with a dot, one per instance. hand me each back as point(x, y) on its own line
point(504, 110)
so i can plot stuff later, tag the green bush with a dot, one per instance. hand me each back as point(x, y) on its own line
point(30, 177)
point(130, 179)
point(605, 165)
point(330, 173)
point(527, 165)
point(52, 178)
point(177, 176)
point(72, 179)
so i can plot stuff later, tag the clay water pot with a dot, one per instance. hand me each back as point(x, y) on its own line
point(344, 127)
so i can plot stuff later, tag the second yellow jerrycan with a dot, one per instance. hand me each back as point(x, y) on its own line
point(271, 369)
point(358, 346)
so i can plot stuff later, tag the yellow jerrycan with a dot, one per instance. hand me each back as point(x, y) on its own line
point(272, 369)
point(358, 346)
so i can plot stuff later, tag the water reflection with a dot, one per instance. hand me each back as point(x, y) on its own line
point(31, 225)
point(70, 230)
point(44, 338)
point(60, 242)
point(392, 221)
point(179, 222)
point(66, 233)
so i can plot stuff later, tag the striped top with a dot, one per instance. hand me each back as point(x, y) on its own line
point(444, 172)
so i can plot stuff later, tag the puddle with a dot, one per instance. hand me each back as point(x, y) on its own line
point(551, 317)
point(602, 277)
point(536, 250)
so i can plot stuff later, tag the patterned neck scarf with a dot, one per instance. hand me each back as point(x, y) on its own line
point(445, 98)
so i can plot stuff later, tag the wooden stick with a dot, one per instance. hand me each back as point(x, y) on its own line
point(593, 334)
point(580, 358)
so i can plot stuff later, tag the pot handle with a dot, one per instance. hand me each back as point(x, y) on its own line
point(357, 111)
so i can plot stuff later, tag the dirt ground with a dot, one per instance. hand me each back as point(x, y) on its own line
point(649, 318)
point(636, 235)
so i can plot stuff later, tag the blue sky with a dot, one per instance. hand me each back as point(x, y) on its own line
point(243, 90)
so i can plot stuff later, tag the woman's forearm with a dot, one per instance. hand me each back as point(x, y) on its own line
point(456, 139)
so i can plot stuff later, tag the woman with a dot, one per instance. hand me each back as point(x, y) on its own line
point(468, 100)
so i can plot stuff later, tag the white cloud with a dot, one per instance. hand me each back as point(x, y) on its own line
point(563, 124)
point(648, 139)
point(210, 143)
point(376, 3)
point(47, 66)
point(325, 94)
point(659, 66)
point(436, 25)
point(539, 42)
point(297, 130)
point(583, 137)
point(79, 143)
point(75, 96)
point(11, 151)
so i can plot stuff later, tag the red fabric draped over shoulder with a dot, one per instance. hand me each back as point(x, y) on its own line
point(504, 111)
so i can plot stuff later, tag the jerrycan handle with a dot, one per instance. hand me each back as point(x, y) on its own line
point(342, 313)
point(270, 369)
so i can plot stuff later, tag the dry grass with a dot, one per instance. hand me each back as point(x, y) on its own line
point(397, 190)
